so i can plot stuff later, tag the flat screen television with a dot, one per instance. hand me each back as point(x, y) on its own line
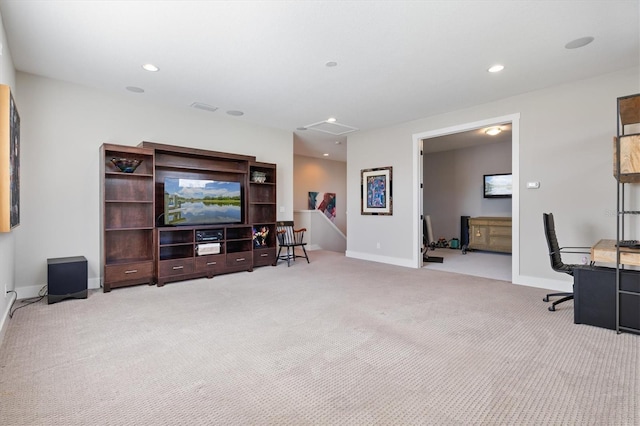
point(498, 185)
point(201, 202)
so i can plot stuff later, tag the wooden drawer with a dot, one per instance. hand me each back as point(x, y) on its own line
point(491, 221)
point(500, 230)
point(174, 267)
point(240, 259)
point(211, 264)
point(262, 257)
point(141, 271)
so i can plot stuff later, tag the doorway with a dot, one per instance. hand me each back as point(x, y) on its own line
point(421, 141)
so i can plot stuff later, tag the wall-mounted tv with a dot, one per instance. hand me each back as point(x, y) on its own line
point(201, 202)
point(498, 185)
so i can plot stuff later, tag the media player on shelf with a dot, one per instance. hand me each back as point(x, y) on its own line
point(209, 235)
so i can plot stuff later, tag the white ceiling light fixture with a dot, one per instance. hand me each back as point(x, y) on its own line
point(204, 107)
point(235, 113)
point(496, 68)
point(331, 120)
point(492, 131)
point(579, 42)
point(331, 64)
point(150, 68)
point(325, 154)
point(135, 89)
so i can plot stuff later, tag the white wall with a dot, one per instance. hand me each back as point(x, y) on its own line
point(453, 185)
point(7, 240)
point(565, 135)
point(63, 127)
point(318, 175)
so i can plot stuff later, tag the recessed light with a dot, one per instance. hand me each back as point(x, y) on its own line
point(331, 64)
point(301, 128)
point(492, 131)
point(135, 89)
point(325, 154)
point(150, 67)
point(579, 42)
point(235, 113)
point(496, 68)
point(331, 120)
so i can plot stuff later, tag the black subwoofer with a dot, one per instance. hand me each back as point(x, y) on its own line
point(66, 278)
point(464, 231)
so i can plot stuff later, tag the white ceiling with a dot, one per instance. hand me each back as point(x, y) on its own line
point(397, 60)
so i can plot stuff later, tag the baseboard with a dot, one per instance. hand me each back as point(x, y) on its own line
point(4, 317)
point(34, 290)
point(544, 283)
point(381, 259)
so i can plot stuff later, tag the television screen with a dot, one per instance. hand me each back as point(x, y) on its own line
point(201, 202)
point(498, 185)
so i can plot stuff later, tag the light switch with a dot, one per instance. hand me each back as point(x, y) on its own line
point(281, 209)
point(533, 185)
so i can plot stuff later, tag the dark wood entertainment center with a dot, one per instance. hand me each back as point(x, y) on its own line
point(138, 248)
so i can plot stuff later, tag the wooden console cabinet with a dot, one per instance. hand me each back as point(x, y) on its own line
point(139, 248)
point(490, 234)
point(179, 257)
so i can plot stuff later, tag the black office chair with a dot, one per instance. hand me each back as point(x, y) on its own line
point(556, 258)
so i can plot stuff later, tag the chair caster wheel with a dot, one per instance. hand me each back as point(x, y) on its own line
point(545, 299)
point(552, 308)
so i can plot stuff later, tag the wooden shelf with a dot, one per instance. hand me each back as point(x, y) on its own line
point(128, 217)
point(137, 248)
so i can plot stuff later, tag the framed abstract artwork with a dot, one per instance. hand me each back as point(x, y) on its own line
point(377, 191)
point(9, 161)
point(325, 202)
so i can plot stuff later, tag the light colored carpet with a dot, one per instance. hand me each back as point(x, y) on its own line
point(336, 342)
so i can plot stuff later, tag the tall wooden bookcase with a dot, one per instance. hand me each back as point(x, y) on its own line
point(127, 218)
point(262, 212)
point(138, 247)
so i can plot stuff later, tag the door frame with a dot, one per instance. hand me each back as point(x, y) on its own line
point(418, 141)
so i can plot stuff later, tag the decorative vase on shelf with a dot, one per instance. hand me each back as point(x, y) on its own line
point(126, 165)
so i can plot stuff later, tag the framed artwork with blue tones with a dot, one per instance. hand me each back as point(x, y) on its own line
point(9, 161)
point(377, 191)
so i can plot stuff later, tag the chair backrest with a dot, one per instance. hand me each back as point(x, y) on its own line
point(287, 235)
point(554, 248)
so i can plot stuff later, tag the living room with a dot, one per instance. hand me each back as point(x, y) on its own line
point(561, 138)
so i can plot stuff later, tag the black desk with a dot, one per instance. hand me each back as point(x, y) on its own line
point(594, 302)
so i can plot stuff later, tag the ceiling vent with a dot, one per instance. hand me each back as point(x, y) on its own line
point(200, 105)
point(334, 128)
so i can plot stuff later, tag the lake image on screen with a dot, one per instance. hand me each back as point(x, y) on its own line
point(498, 185)
point(199, 202)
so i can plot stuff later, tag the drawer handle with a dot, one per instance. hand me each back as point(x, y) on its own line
point(178, 267)
point(264, 255)
point(132, 271)
point(240, 259)
point(211, 263)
